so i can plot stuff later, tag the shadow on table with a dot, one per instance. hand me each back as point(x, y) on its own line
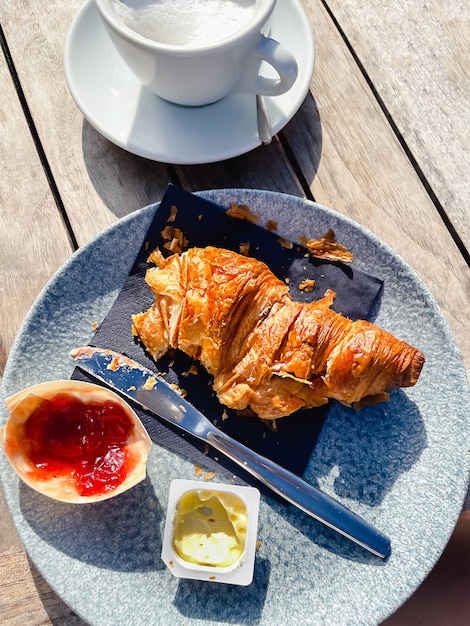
point(121, 533)
point(124, 182)
point(302, 139)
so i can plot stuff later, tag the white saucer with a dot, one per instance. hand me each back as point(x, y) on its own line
point(116, 105)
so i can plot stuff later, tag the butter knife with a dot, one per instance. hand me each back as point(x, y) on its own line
point(149, 390)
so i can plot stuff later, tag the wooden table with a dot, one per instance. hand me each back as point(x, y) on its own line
point(383, 137)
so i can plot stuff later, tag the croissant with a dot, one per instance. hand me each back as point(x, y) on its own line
point(266, 351)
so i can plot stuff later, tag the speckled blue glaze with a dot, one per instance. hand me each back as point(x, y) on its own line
point(403, 465)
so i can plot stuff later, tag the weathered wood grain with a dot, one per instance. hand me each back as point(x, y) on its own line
point(416, 54)
point(25, 597)
point(34, 241)
point(354, 163)
point(265, 167)
point(97, 181)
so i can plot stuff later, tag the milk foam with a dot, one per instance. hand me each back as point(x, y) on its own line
point(186, 22)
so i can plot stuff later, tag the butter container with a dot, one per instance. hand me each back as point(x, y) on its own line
point(210, 531)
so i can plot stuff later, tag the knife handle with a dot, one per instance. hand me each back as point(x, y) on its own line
point(303, 495)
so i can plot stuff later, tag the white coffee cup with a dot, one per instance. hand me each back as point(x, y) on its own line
point(200, 72)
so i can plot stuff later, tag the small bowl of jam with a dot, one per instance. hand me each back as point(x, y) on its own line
point(74, 441)
point(210, 531)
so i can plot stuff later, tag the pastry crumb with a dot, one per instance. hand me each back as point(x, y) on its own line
point(173, 212)
point(285, 243)
point(307, 285)
point(175, 241)
point(114, 364)
point(192, 371)
point(242, 212)
point(244, 248)
point(150, 383)
point(328, 248)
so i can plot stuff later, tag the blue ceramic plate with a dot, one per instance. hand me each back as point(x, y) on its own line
point(402, 465)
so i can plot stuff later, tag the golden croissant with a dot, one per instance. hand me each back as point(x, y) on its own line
point(264, 350)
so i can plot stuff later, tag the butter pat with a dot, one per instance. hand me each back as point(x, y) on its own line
point(209, 527)
point(210, 531)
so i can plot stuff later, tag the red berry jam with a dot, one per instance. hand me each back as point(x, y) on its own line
point(86, 441)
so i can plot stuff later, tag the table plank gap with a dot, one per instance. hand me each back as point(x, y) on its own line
point(422, 73)
point(36, 139)
point(401, 138)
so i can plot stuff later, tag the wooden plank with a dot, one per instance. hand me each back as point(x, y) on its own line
point(422, 74)
point(28, 217)
point(353, 163)
point(97, 181)
point(34, 244)
point(25, 596)
point(266, 167)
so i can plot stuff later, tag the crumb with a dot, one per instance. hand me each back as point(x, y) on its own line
point(198, 470)
point(191, 371)
point(146, 247)
point(271, 225)
point(208, 475)
point(170, 563)
point(245, 248)
point(285, 243)
point(242, 212)
point(150, 383)
point(206, 449)
point(183, 392)
point(132, 388)
point(224, 415)
point(307, 285)
point(174, 238)
point(95, 325)
point(156, 257)
point(199, 217)
point(211, 577)
point(114, 364)
point(257, 545)
point(328, 248)
point(287, 280)
point(173, 212)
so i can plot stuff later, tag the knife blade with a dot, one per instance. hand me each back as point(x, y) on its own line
point(149, 390)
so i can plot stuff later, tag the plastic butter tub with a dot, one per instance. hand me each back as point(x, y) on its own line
point(210, 531)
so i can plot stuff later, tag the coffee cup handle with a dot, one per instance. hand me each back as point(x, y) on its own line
point(281, 59)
